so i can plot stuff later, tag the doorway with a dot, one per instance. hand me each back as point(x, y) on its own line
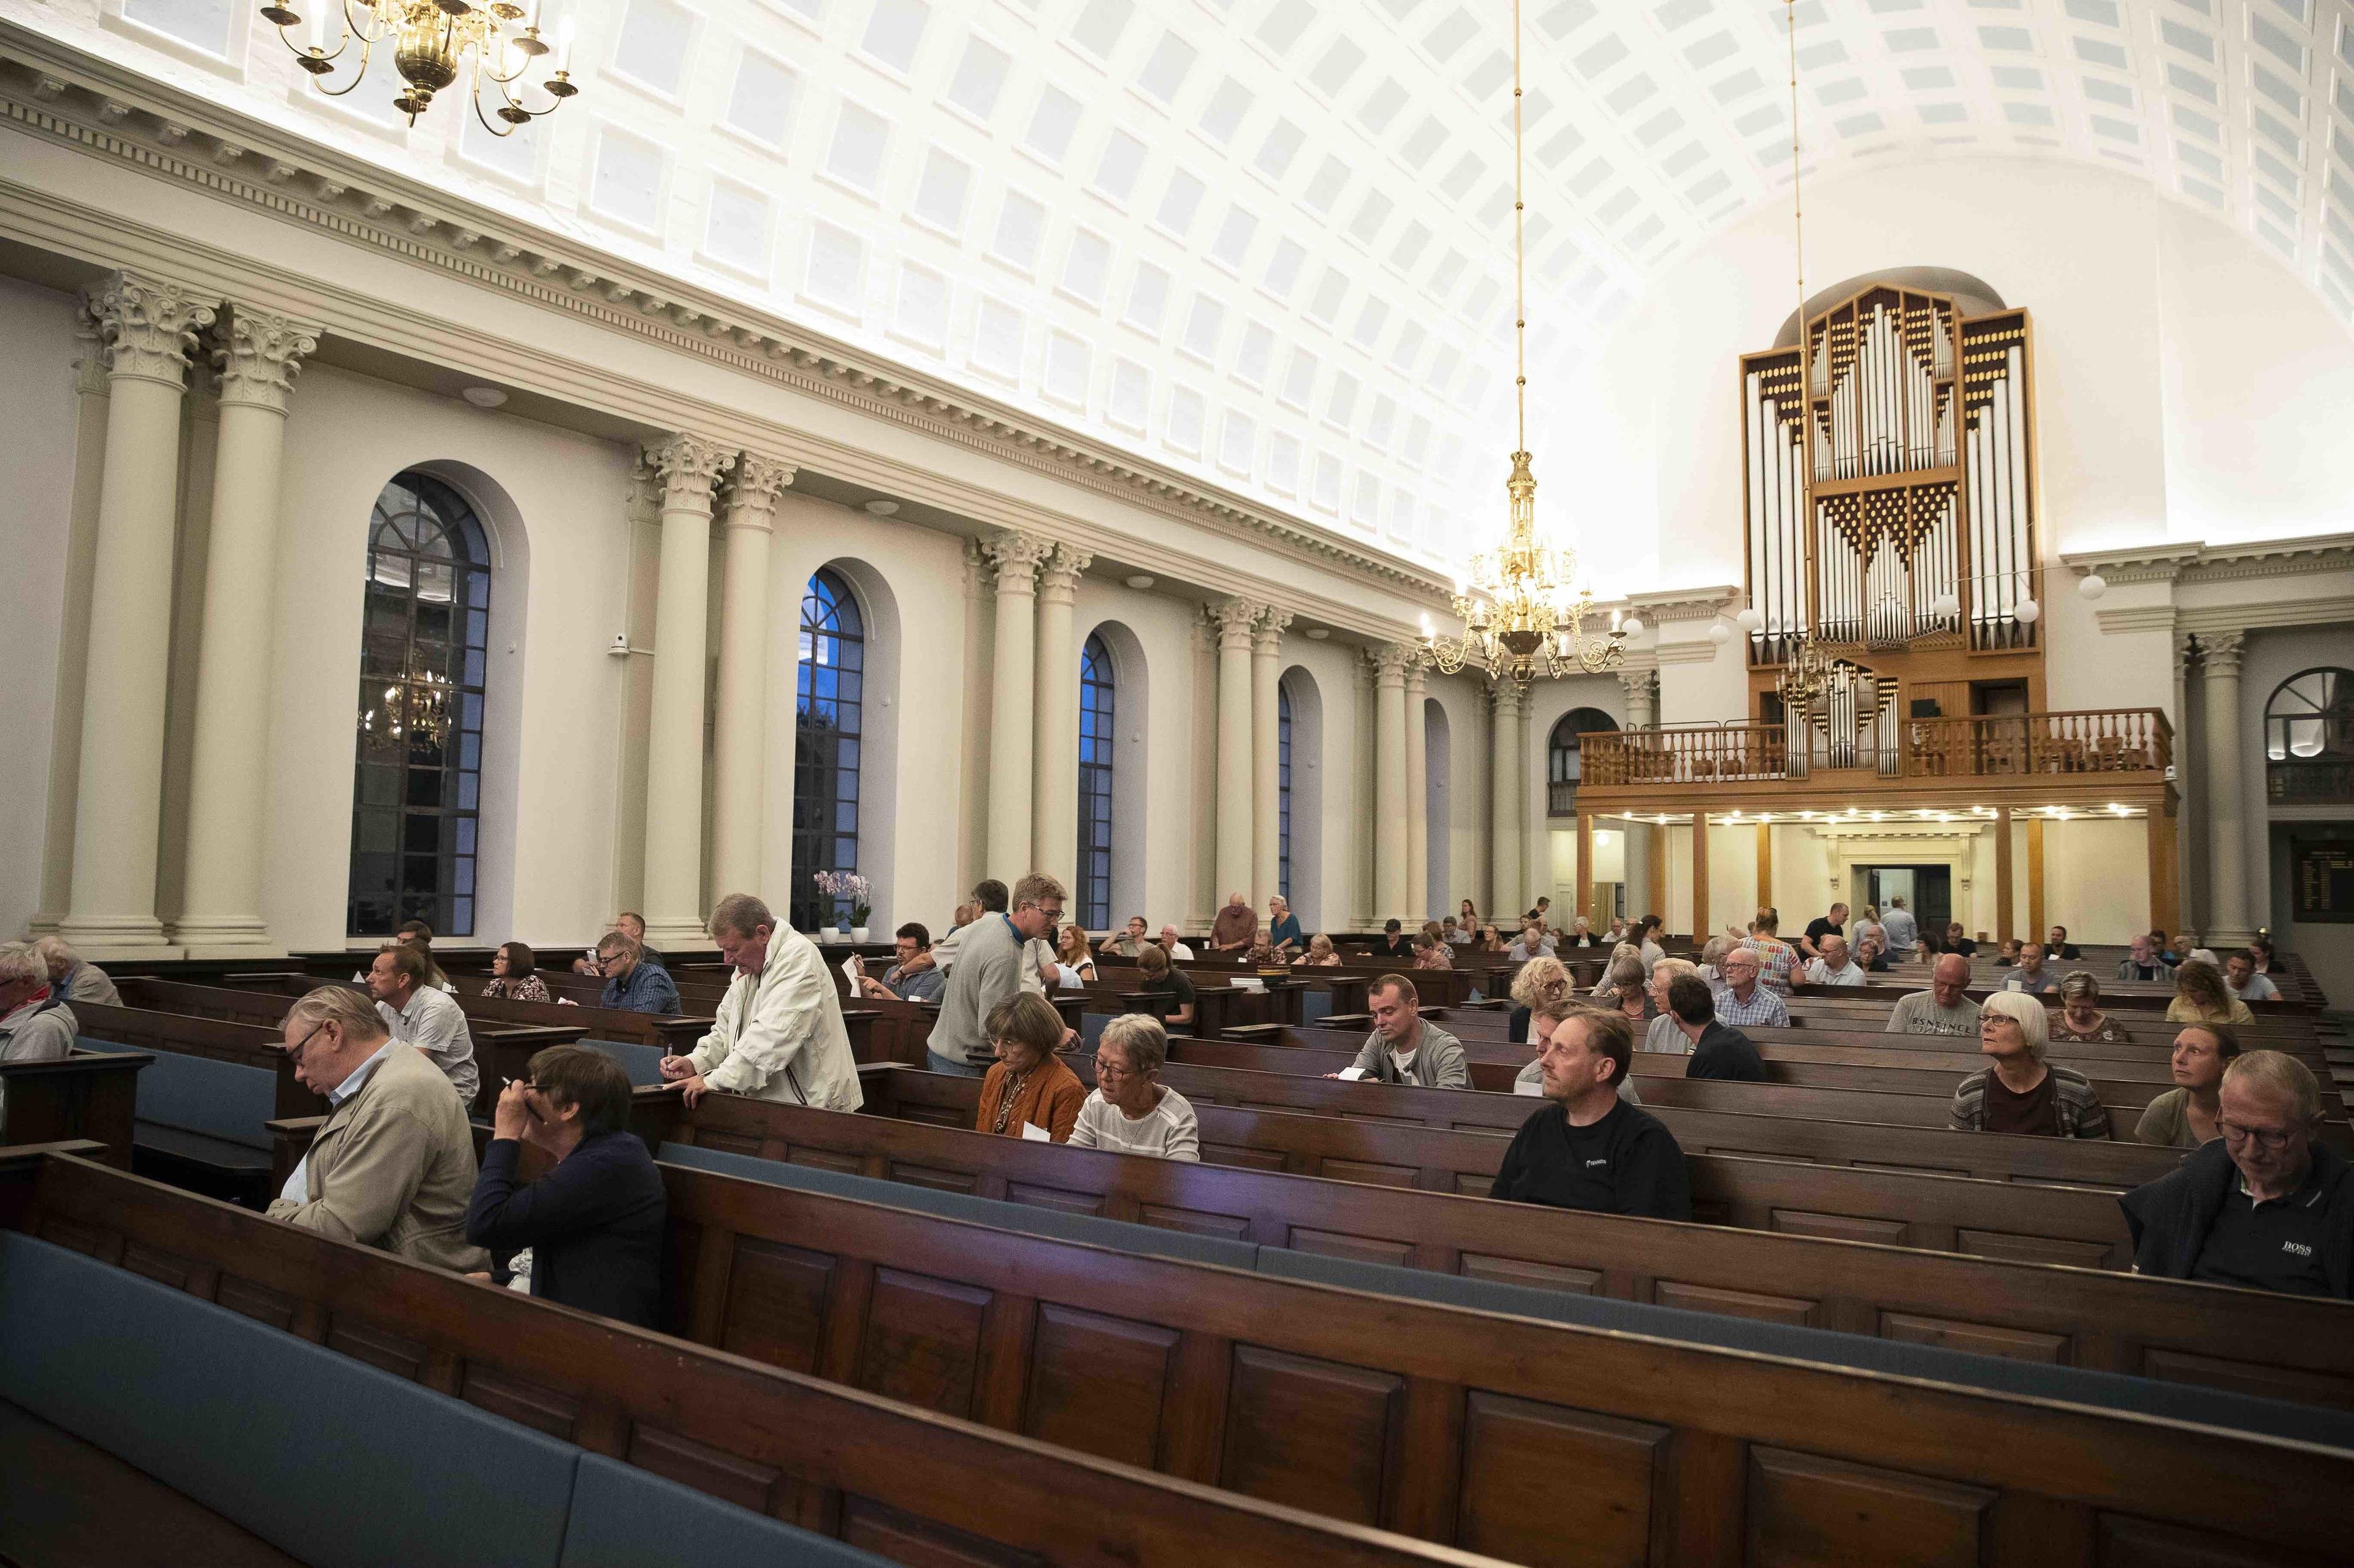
point(1928, 891)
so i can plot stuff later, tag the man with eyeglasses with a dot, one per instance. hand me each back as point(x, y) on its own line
point(393, 1165)
point(2264, 1205)
point(987, 970)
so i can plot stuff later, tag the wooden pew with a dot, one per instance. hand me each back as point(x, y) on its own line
point(877, 1474)
point(258, 1046)
point(2280, 1346)
point(86, 1095)
point(1999, 1219)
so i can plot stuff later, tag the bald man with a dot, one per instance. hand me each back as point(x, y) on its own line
point(1943, 1009)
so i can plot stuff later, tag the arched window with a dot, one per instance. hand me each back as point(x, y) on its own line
point(1562, 757)
point(1098, 731)
point(416, 803)
point(1283, 792)
point(2309, 737)
point(826, 728)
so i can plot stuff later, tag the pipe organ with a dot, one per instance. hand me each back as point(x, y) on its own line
point(1891, 505)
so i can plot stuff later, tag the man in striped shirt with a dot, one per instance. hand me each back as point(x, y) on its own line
point(1744, 1003)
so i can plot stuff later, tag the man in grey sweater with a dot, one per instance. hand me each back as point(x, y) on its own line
point(987, 970)
point(1402, 1049)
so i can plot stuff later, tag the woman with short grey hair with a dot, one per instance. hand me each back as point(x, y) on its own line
point(1131, 1111)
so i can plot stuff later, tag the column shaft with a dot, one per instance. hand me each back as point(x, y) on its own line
point(689, 467)
point(1417, 793)
point(1505, 809)
point(1237, 843)
point(1014, 703)
point(1702, 924)
point(2227, 849)
point(1362, 790)
point(230, 763)
point(1266, 756)
point(740, 730)
point(73, 627)
point(1054, 804)
point(2004, 920)
point(1390, 811)
point(148, 328)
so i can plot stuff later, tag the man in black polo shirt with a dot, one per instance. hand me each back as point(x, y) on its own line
point(1393, 945)
point(2263, 1206)
point(1831, 924)
point(1718, 1051)
point(1588, 1148)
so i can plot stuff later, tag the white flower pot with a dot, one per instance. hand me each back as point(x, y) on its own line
point(828, 934)
point(858, 933)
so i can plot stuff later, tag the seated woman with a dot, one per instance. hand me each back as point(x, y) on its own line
point(2080, 1016)
point(1467, 920)
point(2009, 959)
point(515, 975)
point(594, 1221)
point(1430, 953)
point(1605, 989)
point(1156, 979)
point(1131, 1111)
point(1076, 958)
point(2200, 997)
point(2020, 1092)
point(1029, 1086)
point(1491, 940)
point(1320, 954)
point(1537, 984)
point(2191, 1113)
point(1711, 961)
point(1631, 993)
point(1581, 933)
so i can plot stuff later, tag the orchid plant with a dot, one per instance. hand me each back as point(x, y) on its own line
point(848, 885)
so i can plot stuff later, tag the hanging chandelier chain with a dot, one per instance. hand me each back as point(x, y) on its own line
point(1520, 253)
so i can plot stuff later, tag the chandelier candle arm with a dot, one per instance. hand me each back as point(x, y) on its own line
point(434, 42)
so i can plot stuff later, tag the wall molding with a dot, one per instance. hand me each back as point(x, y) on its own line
point(2196, 563)
point(2256, 616)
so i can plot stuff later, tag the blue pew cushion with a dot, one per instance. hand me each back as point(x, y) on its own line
point(227, 1101)
point(624, 1517)
point(643, 1063)
point(324, 1457)
point(1120, 1235)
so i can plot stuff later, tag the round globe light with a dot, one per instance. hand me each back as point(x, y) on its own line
point(2026, 612)
point(1718, 632)
point(1632, 626)
point(1947, 605)
point(2092, 584)
point(1751, 619)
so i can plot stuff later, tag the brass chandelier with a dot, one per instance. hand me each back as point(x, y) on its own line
point(1522, 608)
point(432, 41)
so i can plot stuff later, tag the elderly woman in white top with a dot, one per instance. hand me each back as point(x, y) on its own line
point(1131, 1111)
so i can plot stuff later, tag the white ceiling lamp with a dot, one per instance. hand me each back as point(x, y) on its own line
point(880, 507)
point(1319, 633)
point(1719, 632)
point(2026, 612)
point(1751, 619)
point(484, 397)
point(1141, 581)
point(2092, 585)
point(1633, 625)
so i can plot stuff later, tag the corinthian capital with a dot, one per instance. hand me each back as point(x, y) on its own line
point(1237, 620)
point(1504, 697)
point(1017, 557)
point(689, 466)
point(752, 498)
point(148, 326)
point(1267, 630)
point(1391, 662)
point(2222, 652)
point(258, 352)
point(1059, 577)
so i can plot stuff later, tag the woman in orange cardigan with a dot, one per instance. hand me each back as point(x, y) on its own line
point(1029, 1085)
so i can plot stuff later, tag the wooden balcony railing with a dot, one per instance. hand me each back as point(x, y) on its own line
point(2096, 741)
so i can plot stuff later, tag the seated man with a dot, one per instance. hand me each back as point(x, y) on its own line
point(1402, 1049)
point(1589, 1149)
point(1717, 1051)
point(36, 1024)
point(2145, 960)
point(1172, 946)
point(1531, 943)
point(2241, 979)
point(2021, 1092)
point(1283, 932)
point(914, 978)
point(2028, 976)
point(73, 977)
point(1232, 931)
point(393, 1165)
point(1661, 1034)
point(1957, 940)
point(631, 984)
point(421, 1015)
point(1157, 978)
point(1128, 943)
point(593, 1221)
point(779, 1035)
point(1834, 966)
point(1943, 1009)
point(1744, 1003)
point(1393, 943)
point(2056, 945)
point(2264, 1205)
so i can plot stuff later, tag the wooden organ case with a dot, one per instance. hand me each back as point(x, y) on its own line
point(1890, 510)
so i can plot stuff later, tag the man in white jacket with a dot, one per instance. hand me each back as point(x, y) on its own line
point(780, 1035)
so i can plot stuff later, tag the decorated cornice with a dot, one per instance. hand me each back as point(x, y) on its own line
point(52, 90)
point(1682, 604)
point(2190, 562)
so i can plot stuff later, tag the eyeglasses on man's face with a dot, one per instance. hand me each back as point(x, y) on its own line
point(2274, 1139)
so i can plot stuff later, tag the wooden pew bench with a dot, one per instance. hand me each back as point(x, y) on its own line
point(89, 1095)
point(872, 1473)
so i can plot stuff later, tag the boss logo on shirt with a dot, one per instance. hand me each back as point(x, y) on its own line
point(2300, 1248)
point(1592, 1164)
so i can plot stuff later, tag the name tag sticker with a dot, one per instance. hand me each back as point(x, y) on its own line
point(1532, 1090)
point(1036, 1134)
point(1353, 1074)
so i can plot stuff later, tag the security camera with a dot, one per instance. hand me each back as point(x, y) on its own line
point(620, 645)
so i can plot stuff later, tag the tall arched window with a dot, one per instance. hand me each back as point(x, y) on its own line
point(2309, 739)
point(416, 802)
point(1098, 731)
point(1562, 759)
point(826, 731)
point(1283, 792)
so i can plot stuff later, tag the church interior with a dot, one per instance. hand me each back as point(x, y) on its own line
point(1073, 782)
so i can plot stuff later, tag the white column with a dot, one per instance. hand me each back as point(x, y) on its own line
point(1392, 814)
point(1202, 895)
point(1236, 844)
point(1054, 807)
point(1642, 713)
point(689, 467)
point(739, 731)
point(73, 629)
point(2227, 850)
point(1504, 806)
point(149, 326)
point(1266, 756)
point(1535, 860)
point(1362, 787)
point(230, 763)
point(1013, 705)
point(1418, 794)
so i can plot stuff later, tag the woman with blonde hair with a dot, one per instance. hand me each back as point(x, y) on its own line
point(1537, 984)
point(1320, 954)
point(2200, 997)
point(2080, 1016)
